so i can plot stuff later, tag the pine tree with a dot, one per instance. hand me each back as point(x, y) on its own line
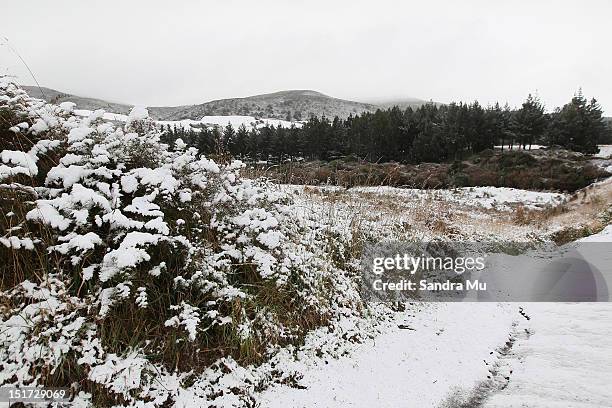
point(530, 121)
point(239, 148)
point(229, 138)
point(578, 126)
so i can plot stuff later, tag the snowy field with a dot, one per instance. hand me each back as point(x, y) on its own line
point(501, 198)
point(105, 115)
point(605, 151)
point(235, 120)
point(519, 147)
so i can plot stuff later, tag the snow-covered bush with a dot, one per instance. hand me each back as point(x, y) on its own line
point(121, 257)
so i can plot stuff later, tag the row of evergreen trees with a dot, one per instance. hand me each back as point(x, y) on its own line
point(429, 133)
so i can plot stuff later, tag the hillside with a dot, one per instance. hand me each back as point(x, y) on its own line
point(57, 97)
point(287, 105)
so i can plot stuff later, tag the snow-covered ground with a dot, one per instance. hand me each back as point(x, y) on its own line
point(499, 198)
point(247, 121)
point(107, 115)
point(443, 349)
point(235, 120)
point(560, 357)
point(495, 355)
point(605, 151)
point(519, 147)
point(566, 361)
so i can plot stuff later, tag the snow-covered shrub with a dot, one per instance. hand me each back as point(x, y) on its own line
point(121, 257)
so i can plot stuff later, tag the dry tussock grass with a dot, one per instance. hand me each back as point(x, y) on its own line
point(588, 211)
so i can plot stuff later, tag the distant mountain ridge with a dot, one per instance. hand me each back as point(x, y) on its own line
point(288, 105)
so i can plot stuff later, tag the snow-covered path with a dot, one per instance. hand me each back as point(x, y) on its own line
point(565, 362)
point(441, 350)
point(472, 355)
point(445, 355)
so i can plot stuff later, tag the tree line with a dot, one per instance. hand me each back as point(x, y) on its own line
point(429, 133)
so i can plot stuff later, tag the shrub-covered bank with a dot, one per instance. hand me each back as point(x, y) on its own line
point(123, 260)
point(552, 170)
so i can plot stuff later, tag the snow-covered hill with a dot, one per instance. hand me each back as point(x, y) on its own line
point(292, 105)
point(286, 105)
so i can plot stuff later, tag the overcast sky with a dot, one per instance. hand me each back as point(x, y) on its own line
point(183, 52)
